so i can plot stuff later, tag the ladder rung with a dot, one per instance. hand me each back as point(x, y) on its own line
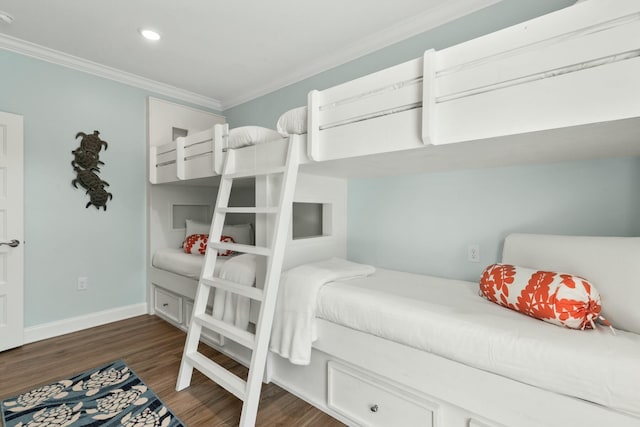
point(255, 294)
point(250, 209)
point(244, 338)
point(220, 375)
point(255, 172)
point(245, 249)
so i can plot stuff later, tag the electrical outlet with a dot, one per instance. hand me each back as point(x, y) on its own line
point(83, 283)
point(473, 253)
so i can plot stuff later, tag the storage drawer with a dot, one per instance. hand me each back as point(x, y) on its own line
point(371, 401)
point(167, 304)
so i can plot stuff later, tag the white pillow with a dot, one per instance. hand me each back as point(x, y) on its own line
point(241, 233)
point(195, 227)
point(251, 135)
point(293, 122)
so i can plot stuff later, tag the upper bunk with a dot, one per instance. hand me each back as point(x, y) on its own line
point(562, 86)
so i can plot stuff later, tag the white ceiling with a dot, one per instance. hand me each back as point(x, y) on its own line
point(226, 52)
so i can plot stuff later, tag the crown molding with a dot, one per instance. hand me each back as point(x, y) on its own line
point(60, 58)
point(403, 30)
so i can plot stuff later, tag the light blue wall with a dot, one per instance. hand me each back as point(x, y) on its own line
point(424, 223)
point(63, 240)
point(264, 111)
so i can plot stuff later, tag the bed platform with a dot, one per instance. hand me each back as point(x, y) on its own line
point(559, 87)
point(404, 349)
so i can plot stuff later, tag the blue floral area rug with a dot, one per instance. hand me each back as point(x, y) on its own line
point(110, 395)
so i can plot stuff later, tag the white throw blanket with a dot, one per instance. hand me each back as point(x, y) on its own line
point(294, 327)
point(227, 306)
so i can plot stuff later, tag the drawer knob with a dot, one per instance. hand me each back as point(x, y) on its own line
point(166, 304)
point(373, 408)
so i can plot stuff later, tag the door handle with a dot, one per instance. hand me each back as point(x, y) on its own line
point(12, 243)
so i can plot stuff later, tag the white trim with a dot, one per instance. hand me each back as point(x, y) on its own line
point(74, 324)
point(74, 62)
point(403, 30)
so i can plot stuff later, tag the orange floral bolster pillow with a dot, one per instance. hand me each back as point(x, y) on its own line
point(197, 244)
point(558, 298)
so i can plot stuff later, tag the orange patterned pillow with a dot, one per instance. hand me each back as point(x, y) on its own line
point(197, 244)
point(558, 298)
point(226, 239)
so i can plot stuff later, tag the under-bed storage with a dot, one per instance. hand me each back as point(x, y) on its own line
point(168, 304)
point(370, 400)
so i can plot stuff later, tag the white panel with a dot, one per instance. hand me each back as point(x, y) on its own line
point(165, 115)
point(3, 183)
point(3, 140)
point(3, 224)
point(574, 18)
point(399, 95)
point(373, 83)
point(569, 100)
point(3, 269)
point(372, 401)
point(393, 132)
point(3, 310)
point(546, 57)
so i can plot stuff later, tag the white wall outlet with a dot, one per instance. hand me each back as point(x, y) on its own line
point(83, 283)
point(473, 252)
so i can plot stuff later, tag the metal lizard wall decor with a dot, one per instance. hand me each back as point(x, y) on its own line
point(86, 164)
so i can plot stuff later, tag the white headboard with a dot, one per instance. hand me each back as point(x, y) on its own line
point(611, 264)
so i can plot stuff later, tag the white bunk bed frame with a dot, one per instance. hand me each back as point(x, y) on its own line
point(563, 86)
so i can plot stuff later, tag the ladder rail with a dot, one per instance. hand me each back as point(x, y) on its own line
point(272, 281)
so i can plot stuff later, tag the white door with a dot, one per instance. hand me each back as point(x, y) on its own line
point(11, 232)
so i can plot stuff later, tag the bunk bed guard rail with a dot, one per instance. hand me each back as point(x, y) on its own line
point(362, 116)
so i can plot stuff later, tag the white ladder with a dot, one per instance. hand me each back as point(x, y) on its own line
point(279, 217)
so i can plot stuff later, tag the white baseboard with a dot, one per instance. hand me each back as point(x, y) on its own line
point(74, 324)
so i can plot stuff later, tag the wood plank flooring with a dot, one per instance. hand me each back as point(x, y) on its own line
point(153, 349)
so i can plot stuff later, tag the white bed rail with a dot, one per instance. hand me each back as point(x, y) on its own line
point(192, 157)
point(162, 163)
point(577, 66)
point(357, 117)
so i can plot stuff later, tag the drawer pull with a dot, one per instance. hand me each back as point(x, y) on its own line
point(373, 408)
point(166, 304)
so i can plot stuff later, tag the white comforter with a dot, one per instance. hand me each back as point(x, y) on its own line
point(230, 307)
point(448, 318)
point(294, 328)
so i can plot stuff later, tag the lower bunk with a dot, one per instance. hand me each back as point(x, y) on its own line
point(404, 349)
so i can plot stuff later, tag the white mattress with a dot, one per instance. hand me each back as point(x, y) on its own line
point(178, 262)
point(448, 318)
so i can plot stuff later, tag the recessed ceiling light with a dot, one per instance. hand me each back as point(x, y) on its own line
point(5, 17)
point(149, 34)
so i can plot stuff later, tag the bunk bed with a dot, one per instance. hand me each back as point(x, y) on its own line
point(562, 86)
point(395, 348)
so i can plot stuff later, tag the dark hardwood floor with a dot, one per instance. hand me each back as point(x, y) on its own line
point(153, 349)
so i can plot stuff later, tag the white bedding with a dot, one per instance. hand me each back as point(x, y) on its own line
point(293, 122)
point(176, 261)
point(293, 329)
point(251, 135)
point(230, 307)
point(448, 318)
